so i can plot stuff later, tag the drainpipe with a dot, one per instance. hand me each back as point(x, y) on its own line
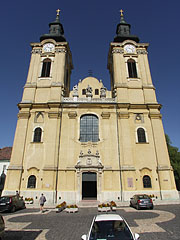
point(23, 154)
point(58, 156)
point(120, 175)
point(156, 159)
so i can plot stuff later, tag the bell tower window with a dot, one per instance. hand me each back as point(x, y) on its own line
point(132, 68)
point(46, 67)
point(141, 135)
point(37, 135)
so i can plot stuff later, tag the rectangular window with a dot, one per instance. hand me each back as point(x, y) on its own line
point(96, 91)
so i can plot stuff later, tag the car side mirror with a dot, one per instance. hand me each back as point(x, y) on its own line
point(83, 237)
point(136, 235)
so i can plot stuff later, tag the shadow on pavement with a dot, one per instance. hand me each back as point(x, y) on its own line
point(21, 235)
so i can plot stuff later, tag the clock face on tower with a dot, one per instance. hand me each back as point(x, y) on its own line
point(129, 48)
point(48, 47)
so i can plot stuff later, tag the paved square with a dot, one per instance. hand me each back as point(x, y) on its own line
point(158, 224)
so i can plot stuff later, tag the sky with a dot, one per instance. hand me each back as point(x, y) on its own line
point(89, 28)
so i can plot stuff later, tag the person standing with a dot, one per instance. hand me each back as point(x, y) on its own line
point(42, 200)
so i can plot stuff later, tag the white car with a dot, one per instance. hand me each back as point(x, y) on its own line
point(110, 227)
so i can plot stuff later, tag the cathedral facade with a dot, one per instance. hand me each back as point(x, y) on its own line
point(89, 142)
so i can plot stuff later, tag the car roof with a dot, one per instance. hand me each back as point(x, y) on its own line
point(108, 217)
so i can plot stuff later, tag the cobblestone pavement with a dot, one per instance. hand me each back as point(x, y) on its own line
point(161, 223)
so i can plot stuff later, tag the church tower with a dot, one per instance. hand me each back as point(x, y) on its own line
point(144, 157)
point(34, 159)
point(89, 142)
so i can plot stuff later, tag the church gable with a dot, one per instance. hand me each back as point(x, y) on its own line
point(90, 87)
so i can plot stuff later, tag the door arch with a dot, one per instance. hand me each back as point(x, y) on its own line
point(89, 185)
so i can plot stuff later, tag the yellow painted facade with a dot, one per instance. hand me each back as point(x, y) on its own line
point(112, 167)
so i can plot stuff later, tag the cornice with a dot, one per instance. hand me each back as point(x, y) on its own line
point(123, 114)
point(154, 106)
point(23, 115)
point(155, 115)
point(163, 168)
point(54, 115)
point(127, 168)
point(49, 168)
point(15, 167)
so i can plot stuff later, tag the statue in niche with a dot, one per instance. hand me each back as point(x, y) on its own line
point(75, 91)
point(89, 91)
point(103, 92)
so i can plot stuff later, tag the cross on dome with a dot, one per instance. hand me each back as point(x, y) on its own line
point(58, 11)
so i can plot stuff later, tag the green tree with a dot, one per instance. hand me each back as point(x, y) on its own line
point(174, 156)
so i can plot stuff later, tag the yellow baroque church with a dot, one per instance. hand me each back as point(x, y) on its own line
point(89, 143)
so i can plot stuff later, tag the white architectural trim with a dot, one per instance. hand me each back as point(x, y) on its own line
point(136, 135)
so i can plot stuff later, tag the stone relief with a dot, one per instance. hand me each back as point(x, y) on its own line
point(103, 92)
point(75, 91)
point(89, 91)
point(89, 159)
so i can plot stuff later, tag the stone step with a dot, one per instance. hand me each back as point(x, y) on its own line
point(88, 203)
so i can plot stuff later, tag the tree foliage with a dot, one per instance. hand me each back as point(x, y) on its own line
point(174, 156)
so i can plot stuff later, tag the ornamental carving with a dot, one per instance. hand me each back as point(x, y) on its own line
point(89, 159)
point(141, 51)
point(94, 100)
point(118, 50)
point(36, 51)
point(60, 50)
point(72, 115)
point(105, 115)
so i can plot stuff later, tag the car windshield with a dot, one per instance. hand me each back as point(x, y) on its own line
point(143, 197)
point(4, 199)
point(114, 230)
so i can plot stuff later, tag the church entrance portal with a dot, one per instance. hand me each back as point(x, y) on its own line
point(89, 185)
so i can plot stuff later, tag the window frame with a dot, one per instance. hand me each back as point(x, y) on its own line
point(132, 68)
point(137, 138)
point(46, 68)
point(34, 183)
point(96, 92)
point(83, 91)
point(147, 184)
point(34, 132)
point(90, 133)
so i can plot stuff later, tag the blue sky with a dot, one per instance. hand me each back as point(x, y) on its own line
point(89, 28)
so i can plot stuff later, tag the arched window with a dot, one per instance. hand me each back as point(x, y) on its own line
point(46, 68)
point(141, 135)
point(37, 135)
point(132, 68)
point(89, 128)
point(147, 181)
point(31, 182)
